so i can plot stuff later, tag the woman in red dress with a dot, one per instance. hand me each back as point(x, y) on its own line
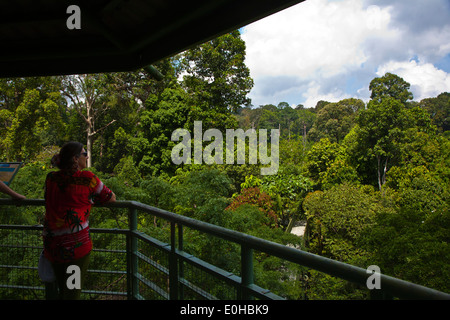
point(69, 196)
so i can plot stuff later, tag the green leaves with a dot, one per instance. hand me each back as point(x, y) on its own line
point(34, 120)
point(390, 85)
point(337, 218)
point(217, 74)
point(335, 120)
point(260, 200)
point(320, 158)
point(342, 150)
point(412, 242)
point(376, 142)
point(439, 110)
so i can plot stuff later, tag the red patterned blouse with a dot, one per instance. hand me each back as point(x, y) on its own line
point(68, 201)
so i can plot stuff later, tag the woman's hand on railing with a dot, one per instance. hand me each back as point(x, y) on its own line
point(14, 195)
point(113, 198)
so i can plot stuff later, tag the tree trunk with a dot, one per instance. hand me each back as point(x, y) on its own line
point(378, 172)
point(86, 94)
point(89, 149)
point(381, 171)
point(383, 177)
point(90, 132)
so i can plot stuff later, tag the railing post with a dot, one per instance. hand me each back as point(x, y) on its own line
point(180, 262)
point(173, 264)
point(246, 272)
point(132, 259)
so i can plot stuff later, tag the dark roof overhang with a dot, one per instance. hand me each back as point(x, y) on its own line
point(117, 35)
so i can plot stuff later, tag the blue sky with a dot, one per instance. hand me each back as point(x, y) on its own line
point(331, 49)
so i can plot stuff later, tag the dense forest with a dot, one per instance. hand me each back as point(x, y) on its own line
point(370, 180)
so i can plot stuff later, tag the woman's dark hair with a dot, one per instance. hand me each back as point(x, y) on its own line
point(64, 160)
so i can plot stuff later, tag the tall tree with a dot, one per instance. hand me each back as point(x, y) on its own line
point(304, 122)
point(375, 143)
point(36, 91)
point(390, 85)
point(337, 217)
point(335, 120)
point(36, 122)
point(270, 117)
point(412, 242)
point(439, 110)
point(288, 116)
point(152, 144)
point(320, 158)
point(12, 90)
point(216, 75)
point(130, 96)
point(89, 96)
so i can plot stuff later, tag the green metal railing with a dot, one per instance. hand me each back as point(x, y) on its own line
point(148, 268)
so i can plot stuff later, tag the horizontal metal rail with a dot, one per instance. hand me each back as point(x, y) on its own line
point(395, 287)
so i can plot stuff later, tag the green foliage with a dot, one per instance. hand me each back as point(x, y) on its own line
point(293, 123)
point(335, 120)
point(217, 77)
point(160, 193)
point(164, 115)
point(292, 152)
point(30, 182)
point(197, 187)
point(262, 201)
point(35, 121)
point(31, 179)
point(343, 150)
point(287, 189)
point(321, 286)
point(336, 218)
point(390, 86)
point(439, 110)
point(337, 173)
point(375, 144)
point(412, 242)
point(127, 172)
point(320, 158)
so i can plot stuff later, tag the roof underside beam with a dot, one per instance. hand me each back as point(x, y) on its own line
point(115, 35)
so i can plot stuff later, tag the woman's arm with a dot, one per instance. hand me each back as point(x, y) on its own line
point(113, 198)
point(5, 189)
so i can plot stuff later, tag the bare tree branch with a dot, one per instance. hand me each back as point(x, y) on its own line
point(104, 127)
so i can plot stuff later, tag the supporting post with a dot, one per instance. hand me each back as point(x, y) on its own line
point(180, 261)
point(246, 272)
point(132, 259)
point(173, 264)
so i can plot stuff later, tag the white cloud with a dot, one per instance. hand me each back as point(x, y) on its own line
point(325, 50)
point(313, 95)
point(425, 79)
point(314, 36)
point(313, 40)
